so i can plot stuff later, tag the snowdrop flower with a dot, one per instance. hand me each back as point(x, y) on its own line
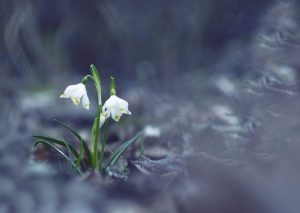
point(77, 93)
point(115, 107)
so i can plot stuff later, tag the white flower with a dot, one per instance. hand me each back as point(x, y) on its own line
point(77, 93)
point(115, 107)
point(102, 119)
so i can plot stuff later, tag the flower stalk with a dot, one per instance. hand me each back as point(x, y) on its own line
point(97, 81)
point(103, 144)
point(96, 125)
point(95, 138)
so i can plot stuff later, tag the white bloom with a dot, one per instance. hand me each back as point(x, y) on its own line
point(77, 93)
point(115, 107)
point(102, 119)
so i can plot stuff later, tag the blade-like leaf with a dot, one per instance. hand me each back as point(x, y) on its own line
point(97, 81)
point(94, 140)
point(80, 154)
point(111, 161)
point(83, 143)
point(69, 150)
point(103, 143)
point(60, 152)
point(70, 157)
point(59, 142)
point(87, 150)
point(69, 128)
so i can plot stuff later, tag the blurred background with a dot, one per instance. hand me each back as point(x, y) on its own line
point(216, 79)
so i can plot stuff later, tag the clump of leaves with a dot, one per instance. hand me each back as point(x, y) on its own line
point(88, 156)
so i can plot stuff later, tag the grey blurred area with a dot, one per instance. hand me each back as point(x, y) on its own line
point(214, 83)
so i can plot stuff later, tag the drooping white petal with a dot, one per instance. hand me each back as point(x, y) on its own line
point(125, 111)
point(70, 90)
point(116, 114)
point(85, 102)
point(110, 103)
point(102, 119)
point(123, 106)
point(77, 93)
point(64, 95)
point(115, 107)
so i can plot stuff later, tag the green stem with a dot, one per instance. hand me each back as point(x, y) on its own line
point(97, 81)
point(95, 129)
point(95, 138)
point(104, 139)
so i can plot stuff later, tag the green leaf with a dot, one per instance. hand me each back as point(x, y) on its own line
point(103, 144)
point(59, 142)
point(80, 154)
point(111, 161)
point(94, 139)
point(70, 157)
point(83, 143)
point(69, 150)
point(97, 81)
point(95, 128)
point(59, 151)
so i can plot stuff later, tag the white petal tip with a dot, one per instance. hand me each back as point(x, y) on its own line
point(116, 118)
point(75, 100)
